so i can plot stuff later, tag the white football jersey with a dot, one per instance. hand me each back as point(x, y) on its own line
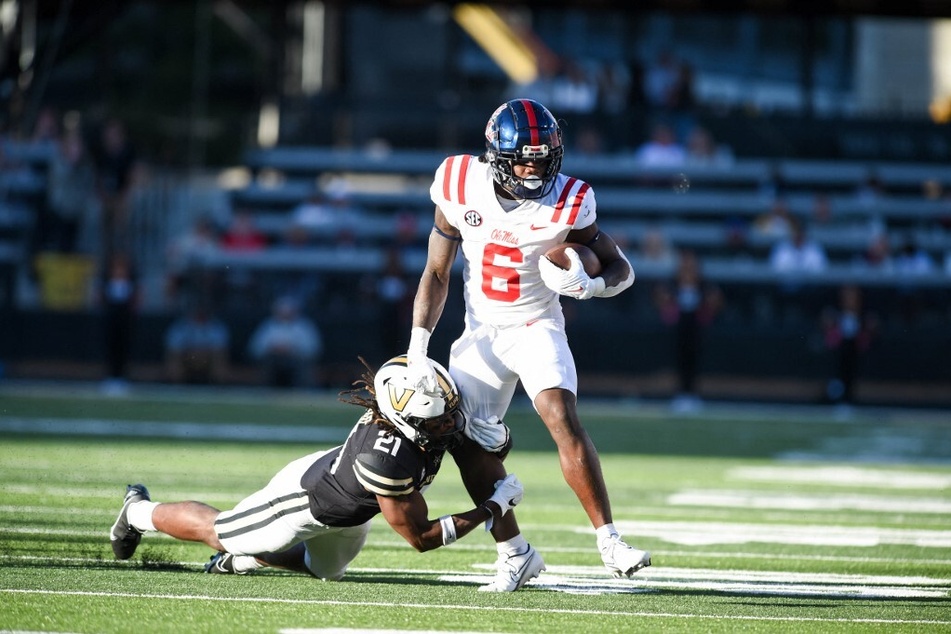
point(501, 248)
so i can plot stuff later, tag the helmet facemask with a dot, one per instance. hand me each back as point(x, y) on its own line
point(439, 434)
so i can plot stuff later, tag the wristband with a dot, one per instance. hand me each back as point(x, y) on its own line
point(419, 340)
point(448, 529)
point(488, 510)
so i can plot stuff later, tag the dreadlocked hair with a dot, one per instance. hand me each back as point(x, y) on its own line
point(363, 395)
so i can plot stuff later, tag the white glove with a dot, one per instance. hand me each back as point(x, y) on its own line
point(491, 434)
point(572, 283)
point(419, 368)
point(508, 493)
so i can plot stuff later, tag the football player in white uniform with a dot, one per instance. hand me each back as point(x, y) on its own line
point(314, 515)
point(505, 209)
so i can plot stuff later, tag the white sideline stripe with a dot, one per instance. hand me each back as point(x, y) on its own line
point(843, 476)
point(706, 533)
point(159, 429)
point(657, 573)
point(493, 608)
point(643, 584)
point(818, 502)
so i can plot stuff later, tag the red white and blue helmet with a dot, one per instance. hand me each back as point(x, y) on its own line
point(523, 130)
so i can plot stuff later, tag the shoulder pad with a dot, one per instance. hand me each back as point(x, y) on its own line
point(449, 186)
point(382, 474)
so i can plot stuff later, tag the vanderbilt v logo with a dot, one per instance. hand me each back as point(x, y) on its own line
point(399, 401)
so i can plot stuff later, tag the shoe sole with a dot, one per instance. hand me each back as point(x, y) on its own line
point(630, 571)
point(522, 580)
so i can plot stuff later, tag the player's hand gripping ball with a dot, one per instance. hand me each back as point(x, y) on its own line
point(558, 257)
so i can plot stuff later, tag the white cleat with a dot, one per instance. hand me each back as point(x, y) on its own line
point(622, 560)
point(514, 571)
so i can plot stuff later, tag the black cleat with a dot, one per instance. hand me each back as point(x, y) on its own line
point(125, 538)
point(222, 564)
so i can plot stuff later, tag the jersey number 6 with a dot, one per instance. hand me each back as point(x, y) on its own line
point(492, 274)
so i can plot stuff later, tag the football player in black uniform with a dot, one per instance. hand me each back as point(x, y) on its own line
point(314, 515)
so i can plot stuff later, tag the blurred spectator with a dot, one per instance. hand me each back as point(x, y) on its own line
point(689, 304)
point(776, 223)
point(912, 259)
point(196, 348)
point(70, 193)
point(661, 149)
point(183, 278)
point(661, 80)
point(116, 169)
point(877, 254)
point(573, 90)
point(701, 148)
point(848, 331)
point(119, 298)
point(655, 251)
point(243, 234)
point(316, 215)
point(798, 253)
point(286, 345)
point(796, 258)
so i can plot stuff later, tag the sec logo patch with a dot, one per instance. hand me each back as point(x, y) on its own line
point(473, 218)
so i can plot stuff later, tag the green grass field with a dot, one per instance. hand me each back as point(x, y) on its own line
point(759, 520)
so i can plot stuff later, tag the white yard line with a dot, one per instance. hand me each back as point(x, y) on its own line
point(707, 533)
point(468, 608)
point(842, 476)
point(810, 502)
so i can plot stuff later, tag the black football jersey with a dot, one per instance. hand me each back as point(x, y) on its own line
point(344, 482)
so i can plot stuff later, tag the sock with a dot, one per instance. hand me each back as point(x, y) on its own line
point(515, 546)
point(140, 515)
point(605, 532)
point(245, 563)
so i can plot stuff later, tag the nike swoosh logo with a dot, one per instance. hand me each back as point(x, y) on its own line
point(536, 227)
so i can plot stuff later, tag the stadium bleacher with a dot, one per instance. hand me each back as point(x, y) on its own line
point(690, 205)
point(373, 197)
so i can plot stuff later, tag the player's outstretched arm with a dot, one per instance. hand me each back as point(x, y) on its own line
point(409, 516)
point(431, 299)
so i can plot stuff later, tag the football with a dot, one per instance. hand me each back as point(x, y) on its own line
point(558, 257)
